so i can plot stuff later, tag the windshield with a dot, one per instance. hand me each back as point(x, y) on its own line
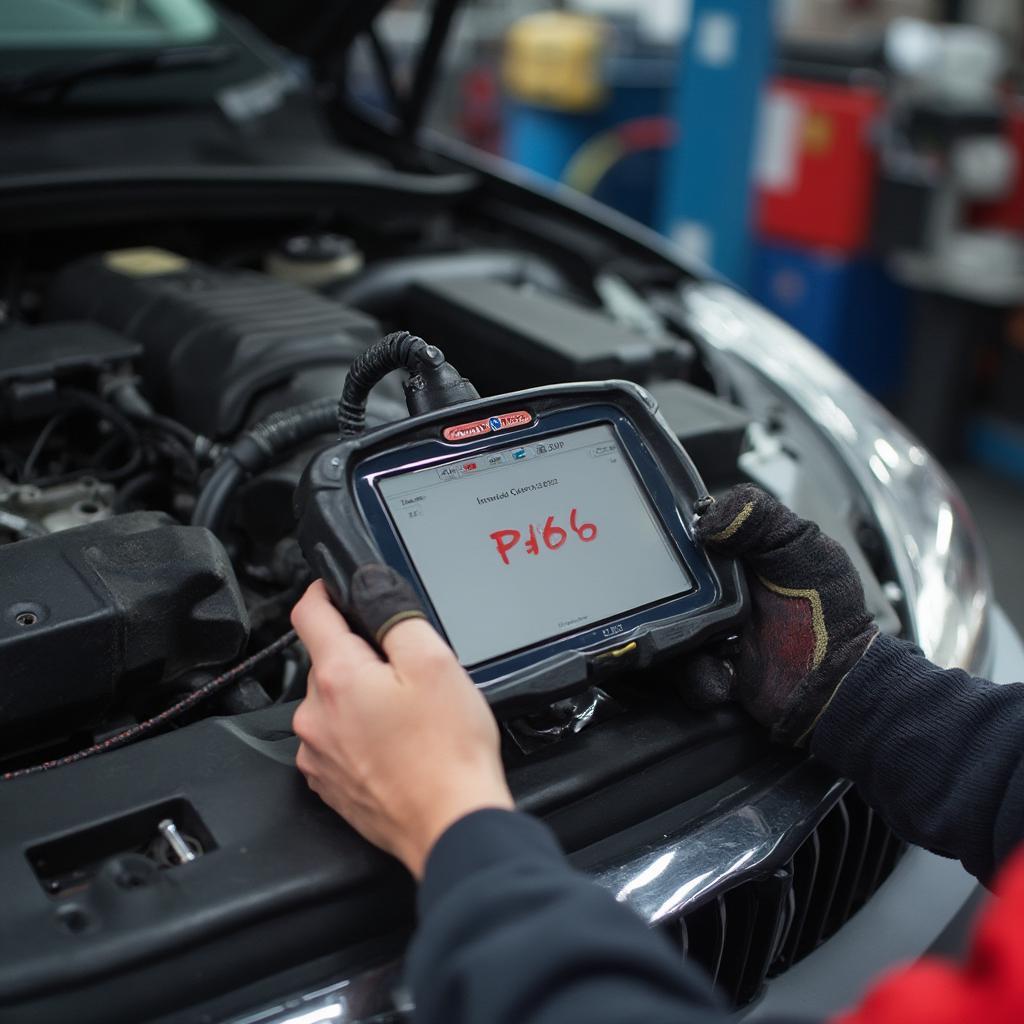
point(104, 24)
point(119, 84)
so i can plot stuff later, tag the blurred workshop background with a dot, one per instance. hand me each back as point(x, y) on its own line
point(856, 165)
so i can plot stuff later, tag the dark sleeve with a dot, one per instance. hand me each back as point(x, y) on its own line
point(510, 934)
point(938, 753)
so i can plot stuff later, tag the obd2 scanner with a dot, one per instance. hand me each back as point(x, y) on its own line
point(548, 532)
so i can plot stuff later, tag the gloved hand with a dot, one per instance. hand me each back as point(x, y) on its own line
point(381, 599)
point(808, 625)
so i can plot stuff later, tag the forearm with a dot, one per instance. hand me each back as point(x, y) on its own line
point(510, 934)
point(939, 754)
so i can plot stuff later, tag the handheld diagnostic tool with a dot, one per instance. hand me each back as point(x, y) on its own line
point(547, 532)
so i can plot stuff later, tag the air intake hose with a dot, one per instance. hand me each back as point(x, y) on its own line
point(433, 384)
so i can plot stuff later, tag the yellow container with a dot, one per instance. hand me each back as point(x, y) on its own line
point(553, 59)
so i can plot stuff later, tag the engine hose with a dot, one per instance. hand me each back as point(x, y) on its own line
point(256, 450)
point(397, 351)
point(124, 394)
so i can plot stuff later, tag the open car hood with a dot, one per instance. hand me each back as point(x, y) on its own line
point(310, 28)
point(323, 31)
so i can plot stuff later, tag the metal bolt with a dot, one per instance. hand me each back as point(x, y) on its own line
point(179, 848)
point(26, 618)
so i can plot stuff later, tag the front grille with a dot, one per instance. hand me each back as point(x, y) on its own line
point(762, 927)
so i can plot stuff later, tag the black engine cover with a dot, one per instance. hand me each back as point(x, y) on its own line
point(89, 612)
point(214, 339)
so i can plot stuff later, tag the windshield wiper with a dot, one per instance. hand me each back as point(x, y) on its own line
point(62, 78)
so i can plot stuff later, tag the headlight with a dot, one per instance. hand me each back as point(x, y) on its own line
point(934, 544)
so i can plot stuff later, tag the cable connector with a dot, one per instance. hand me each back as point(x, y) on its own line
point(436, 385)
point(433, 382)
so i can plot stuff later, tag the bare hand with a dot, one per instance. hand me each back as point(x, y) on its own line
point(401, 748)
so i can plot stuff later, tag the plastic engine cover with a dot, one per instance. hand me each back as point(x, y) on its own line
point(214, 339)
point(88, 612)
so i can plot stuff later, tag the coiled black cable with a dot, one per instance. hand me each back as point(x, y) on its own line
point(397, 351)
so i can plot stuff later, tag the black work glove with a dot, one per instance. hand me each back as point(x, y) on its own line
point(808, 625)
point(381, 598)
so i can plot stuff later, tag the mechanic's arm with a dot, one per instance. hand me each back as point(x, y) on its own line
point(407, 751)
point(938, 753)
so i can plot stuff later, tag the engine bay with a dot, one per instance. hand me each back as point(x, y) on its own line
point(139, 369)
point(144, 619)
point(127, 375)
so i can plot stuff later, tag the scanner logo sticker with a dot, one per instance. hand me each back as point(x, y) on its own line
point(491, 425)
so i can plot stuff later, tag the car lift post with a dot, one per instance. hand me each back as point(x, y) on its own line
point(707, 187)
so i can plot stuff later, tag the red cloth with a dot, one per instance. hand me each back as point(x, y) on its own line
point(989, 989)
